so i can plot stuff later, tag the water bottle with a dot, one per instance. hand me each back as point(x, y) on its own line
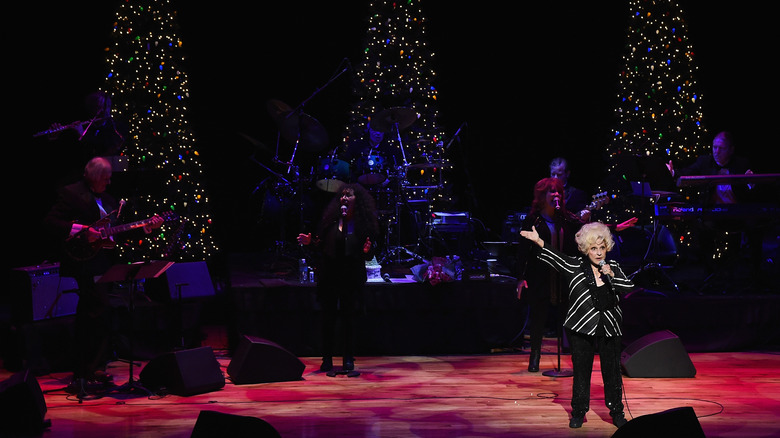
point(303, 271)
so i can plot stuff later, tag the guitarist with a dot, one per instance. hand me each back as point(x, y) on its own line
point(77, 206)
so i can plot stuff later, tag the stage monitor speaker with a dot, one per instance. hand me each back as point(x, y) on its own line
point(674, 422)
point(22, 406)
point(658, 354)
point(213, 424)
point(258, 360)
point(184, 372)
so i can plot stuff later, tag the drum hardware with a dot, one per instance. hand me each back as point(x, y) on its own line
point(394, 251)
point(332, 173)
point(298, 127)
point(284, 191)
point(370, 169)
point(393, 119)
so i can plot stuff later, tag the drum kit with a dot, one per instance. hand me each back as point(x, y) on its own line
point(404, 194)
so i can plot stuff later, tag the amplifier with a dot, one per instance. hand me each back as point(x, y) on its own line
point(513, 225)
point(38, 292)
point(454, 222)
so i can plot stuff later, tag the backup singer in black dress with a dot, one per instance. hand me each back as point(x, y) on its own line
point(345, 239)
point(594, 318)
point(537, 282)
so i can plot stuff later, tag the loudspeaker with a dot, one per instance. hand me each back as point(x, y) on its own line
point(48, 345)
point(216, 424)
point(22, 407)
point(258, 360)
point(184, 372)
point(658, 354)
point(674, 422)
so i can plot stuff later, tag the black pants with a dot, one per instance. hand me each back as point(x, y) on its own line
point(339, 303)
point(583, 349)
point(92, 329)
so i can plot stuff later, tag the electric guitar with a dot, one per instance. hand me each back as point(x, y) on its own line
point(78, 247)
point(599, 200)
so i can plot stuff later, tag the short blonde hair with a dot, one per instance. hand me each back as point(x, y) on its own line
point(591, 233)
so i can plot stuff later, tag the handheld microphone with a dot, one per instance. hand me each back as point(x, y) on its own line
point(557, 204)
point(343, 210)
point(605, 276)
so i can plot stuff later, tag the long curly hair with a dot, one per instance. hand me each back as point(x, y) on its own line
point(365, 213)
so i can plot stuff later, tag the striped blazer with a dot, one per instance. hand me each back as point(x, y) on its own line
point(582, 316)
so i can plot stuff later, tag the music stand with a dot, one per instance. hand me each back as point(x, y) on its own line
point(133, 272)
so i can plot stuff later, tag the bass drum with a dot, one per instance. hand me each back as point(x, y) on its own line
point(332, 174)
point(371, 169)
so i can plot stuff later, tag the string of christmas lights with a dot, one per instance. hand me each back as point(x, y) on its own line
point(397, 71)
point(659, 112)
point(150, 92)
point(659, 107)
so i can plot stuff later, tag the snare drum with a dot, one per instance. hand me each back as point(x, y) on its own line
point(371, 169)
point(332, 174)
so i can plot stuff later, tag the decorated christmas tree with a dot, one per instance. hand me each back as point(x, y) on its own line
point(659, 111)
point(149, 89)
point(397, 72)
point(659, 116)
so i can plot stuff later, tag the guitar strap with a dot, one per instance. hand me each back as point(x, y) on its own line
point(100, 206)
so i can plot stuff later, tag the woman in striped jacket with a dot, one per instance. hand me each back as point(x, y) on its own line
point(593, 320)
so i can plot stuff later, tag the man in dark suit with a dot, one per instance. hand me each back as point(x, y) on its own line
point(79, 206)
point(718, 234)
point(721, 161)
point(576, 199)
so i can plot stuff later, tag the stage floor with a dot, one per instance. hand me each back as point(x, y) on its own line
point(733, 395)
point(486, 393)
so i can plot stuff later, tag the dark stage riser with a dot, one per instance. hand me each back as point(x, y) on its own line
point(398, 319)
point(478, 317)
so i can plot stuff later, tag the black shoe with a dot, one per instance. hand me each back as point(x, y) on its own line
point(533, 361)
point(619, 419)
point(349, 364)
point(327, 364)
point(576, 422)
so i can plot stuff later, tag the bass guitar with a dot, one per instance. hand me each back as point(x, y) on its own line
point(599, 200)
point(78, 246)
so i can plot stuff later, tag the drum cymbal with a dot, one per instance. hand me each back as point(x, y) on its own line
point(277, 109)
point(385, 121)
point(298, 127)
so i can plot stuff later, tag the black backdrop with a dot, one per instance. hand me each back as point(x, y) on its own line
point(531, 80)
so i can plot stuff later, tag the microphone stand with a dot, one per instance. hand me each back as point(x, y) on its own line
point(558, 372)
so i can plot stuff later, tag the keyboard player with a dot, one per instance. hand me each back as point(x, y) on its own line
point(720, 161)
point(717, 234)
